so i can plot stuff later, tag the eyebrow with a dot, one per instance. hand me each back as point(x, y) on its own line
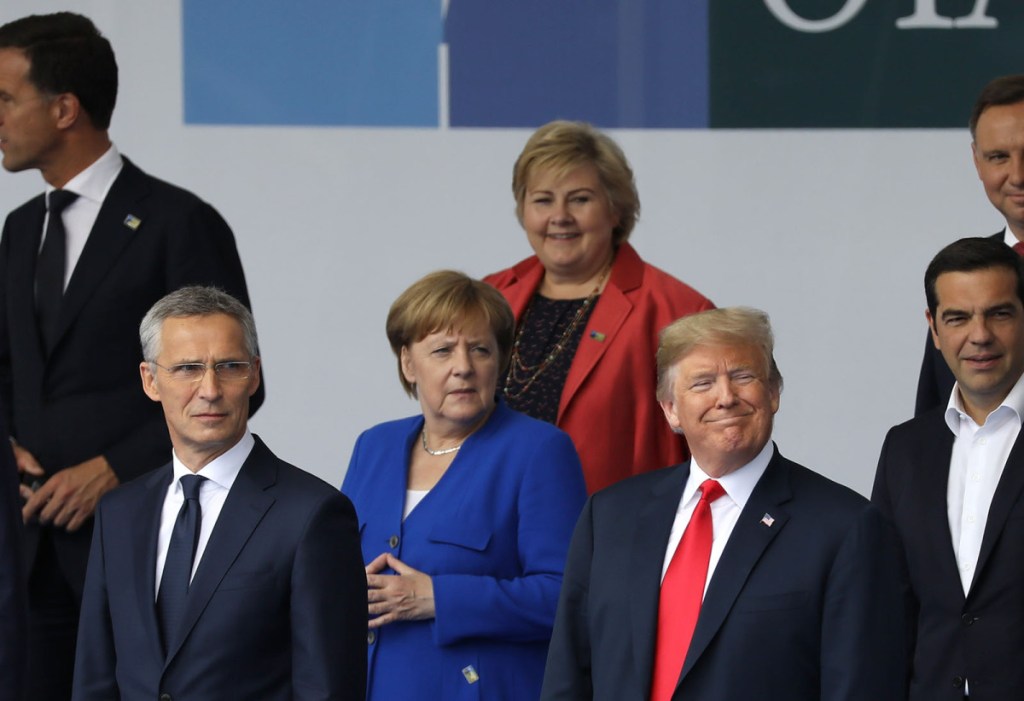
point(1005, 306)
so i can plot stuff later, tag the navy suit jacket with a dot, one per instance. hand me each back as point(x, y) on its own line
point(978, 636)
point(492, 534)
point(803, 606)
point(276, 609)
point(84, 398)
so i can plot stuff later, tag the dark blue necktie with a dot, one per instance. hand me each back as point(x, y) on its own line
point(50, 266)
point(170, 601)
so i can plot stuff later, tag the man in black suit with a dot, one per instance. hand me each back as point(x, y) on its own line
point(795, 595)
point(952, 481)
point(997, 144)
point(79, 266)
point(227, 573)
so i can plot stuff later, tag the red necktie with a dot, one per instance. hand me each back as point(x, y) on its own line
point(682, 591)
point(1019, 248)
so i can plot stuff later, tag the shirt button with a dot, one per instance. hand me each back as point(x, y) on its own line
point(971, 519)
point(982, 441)
point(393, 541)
point(975, 477)
point(371, 637)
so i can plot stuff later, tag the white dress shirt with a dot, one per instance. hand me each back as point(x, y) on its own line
point(1009, 238)
point(725, 510)
point(91, 186)
point(975, 466)
point(220, 474)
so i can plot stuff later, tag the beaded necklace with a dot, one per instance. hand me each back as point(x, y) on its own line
point(525, 375)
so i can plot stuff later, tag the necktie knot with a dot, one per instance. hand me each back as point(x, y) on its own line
point(711, 490)
point(190, 485)
point(1019, 248)
point(58, 200)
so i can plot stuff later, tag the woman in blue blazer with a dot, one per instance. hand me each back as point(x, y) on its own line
point(465, 512)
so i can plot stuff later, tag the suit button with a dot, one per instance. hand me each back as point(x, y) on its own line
point(165, 697)
point(371, 637)
point(967, 619)
point(393, 542)
point(958, 682)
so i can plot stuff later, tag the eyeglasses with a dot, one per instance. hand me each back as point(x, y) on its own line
point(227, 371)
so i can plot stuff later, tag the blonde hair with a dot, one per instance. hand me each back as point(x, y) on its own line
point(443, 300)
point(561, 147)
point(732, 325)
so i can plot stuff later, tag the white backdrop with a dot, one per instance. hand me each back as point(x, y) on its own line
point(828, 231)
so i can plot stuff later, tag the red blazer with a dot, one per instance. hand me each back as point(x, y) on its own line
point(608, 404)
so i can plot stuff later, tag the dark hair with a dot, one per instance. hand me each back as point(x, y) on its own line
point(67, 55)
point(967, 255)
point(1005, 90)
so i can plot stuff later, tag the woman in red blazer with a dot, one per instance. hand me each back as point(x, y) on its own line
point(588, 309)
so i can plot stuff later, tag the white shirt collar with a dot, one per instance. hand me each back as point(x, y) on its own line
point(94, 182)
point(224, 468)
point(1008, 238)
point(1013, 403)
point(738, 484)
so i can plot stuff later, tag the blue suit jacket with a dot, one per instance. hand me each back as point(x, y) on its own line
point(493, 535)
point(276, 609)
point(804, 609)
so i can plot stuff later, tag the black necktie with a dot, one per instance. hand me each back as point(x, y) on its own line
point(50, 266)
point(170, 602)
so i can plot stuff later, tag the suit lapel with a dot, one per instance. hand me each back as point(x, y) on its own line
point(610, 313)
point(749, 539)
point(653, 527)
point(244, 508)
point(1008, 494)
point(108, 238)
point(926, 496)
point(144, 541)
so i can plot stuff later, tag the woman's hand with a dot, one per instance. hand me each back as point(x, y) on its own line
point(406, 596)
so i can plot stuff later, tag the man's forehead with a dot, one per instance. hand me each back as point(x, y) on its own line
point(716, 355)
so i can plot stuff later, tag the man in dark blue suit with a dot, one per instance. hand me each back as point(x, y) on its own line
point(79, 267)
point(795, 595)
point(227, 573)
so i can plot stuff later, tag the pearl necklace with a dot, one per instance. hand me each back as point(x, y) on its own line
point(446, 451)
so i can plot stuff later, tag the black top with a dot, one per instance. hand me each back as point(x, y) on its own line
point(541, 328)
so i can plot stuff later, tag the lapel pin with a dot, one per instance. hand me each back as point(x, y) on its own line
point(767, 520)
point(597, 336)
point(470, 674)
point(132, 222)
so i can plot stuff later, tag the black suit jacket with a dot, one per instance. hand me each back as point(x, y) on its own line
point(85, 397)
point(12, 580)
point(978, 636)
point(804, 603)
point(276, 609)
point(935, 383)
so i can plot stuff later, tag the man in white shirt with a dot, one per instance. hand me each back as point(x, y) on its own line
point(736, 575)
point(79, 267)
point(952, 481)
point(227, 573)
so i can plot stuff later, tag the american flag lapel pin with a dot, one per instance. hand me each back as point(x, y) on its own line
point(767, 520)
point(598, 336)
point(132, 222)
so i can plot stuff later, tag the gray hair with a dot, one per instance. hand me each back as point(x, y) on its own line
point(729, 326)
point(195, 300)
